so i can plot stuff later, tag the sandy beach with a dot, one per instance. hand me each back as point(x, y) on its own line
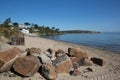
point(110, 70)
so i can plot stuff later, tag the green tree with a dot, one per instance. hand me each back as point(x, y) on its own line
point(26, 23)
point(53, 28)
point(7, 22)
point(15, 24)
point(57, 30)
point(31, 30)
point(36, 26)
point(48, 28)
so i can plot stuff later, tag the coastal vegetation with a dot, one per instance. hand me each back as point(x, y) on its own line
point(8, 28)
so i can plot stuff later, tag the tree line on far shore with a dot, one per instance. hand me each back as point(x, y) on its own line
point(8, 27)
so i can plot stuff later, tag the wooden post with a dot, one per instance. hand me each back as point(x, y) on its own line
point(18, 39)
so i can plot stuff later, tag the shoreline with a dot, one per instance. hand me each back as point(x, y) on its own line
point(57, 42)
point(111, 59)
point(95, 47)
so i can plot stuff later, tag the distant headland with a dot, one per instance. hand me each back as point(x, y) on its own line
point(79, 31)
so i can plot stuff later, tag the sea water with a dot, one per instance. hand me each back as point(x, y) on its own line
point(106, 40)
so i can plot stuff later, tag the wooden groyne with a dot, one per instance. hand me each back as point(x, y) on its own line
point(18, 39)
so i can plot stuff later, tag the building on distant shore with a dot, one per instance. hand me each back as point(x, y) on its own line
point(25, 31)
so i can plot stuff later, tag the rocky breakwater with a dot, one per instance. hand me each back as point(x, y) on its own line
point(47, 64)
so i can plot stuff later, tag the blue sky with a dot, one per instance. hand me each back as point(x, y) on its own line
point(98, 15)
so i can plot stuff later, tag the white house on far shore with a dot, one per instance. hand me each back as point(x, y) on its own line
point(25, 31)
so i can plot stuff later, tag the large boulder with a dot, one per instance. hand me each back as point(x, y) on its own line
point(52, 54)
point(33, 50)
point(59, 53)
point(48, 54)
point(98, 61)
point(81, 62)
point(79, 53)
point(48, 71)
point(7, 58)
point(53, 57)
point(26, 65)
point(76, 62)
point(44, 59)
point(62, 64)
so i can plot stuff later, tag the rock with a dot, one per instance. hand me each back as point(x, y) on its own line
point(33, 51)
point(7, 58)
point(75, 59)
point(26, 65)
point(87, 62)
point(38, 76)
point(53, 57)
point(89, 69)
point(52, 54)
point(47, 54)
point(81, 62)
point(79, 53)
point(51, 50)
point(48, 71)
point(75, 72)
point(11, 74)
point(59, 53)
point(75, 65)
point(62, 64)
point(44, 59)
point(8, 74)
point(98, 61)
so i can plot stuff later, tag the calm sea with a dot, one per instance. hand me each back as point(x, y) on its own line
point(107, 40)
